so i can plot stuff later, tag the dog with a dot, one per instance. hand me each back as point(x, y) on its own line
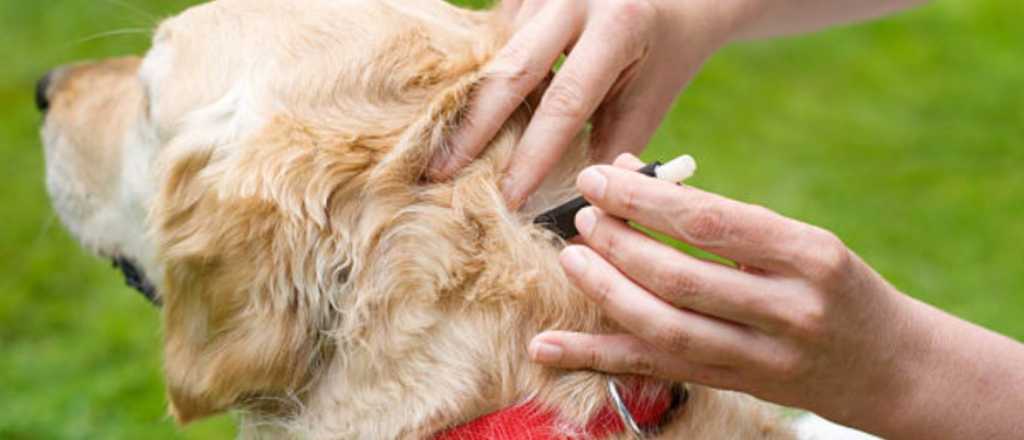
point(259, 173)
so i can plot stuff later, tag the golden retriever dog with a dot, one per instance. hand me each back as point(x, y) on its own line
point(260, 171)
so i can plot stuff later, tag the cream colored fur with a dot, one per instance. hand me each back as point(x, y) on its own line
point(264, 162)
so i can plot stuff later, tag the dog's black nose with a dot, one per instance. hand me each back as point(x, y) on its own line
point(43, 92)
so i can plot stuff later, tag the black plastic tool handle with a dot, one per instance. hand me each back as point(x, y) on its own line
point(562, 220)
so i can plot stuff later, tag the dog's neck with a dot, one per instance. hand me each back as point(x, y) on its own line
point(436, 328)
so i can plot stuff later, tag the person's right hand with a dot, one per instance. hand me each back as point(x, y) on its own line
point(786, 323)
point(627, 61)
point(798, 320)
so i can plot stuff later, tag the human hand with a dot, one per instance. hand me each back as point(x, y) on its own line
point(627, 61)
point(800, 320)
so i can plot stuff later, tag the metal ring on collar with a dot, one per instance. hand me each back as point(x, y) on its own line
point(623, 411)
point(680, 395)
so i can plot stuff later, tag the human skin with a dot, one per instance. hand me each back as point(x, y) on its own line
point(799, 319)
point(627, 61)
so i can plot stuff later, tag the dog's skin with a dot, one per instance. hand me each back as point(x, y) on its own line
point(263, 164)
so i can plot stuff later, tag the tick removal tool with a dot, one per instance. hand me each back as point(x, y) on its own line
point(562, 220)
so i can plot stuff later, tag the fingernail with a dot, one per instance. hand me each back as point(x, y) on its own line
point(628, 157)
point(585, 221)
point(635, 161)
point(592, 183)
point(573, 260)
point(545, 352)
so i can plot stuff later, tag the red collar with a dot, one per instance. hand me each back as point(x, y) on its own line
point(530, 421)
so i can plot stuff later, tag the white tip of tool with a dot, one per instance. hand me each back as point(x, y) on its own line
point(678, 170)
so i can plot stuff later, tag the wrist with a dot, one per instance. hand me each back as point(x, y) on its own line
point(945, 370)
point(914, 362)
point(966, 382)
point(888, 376)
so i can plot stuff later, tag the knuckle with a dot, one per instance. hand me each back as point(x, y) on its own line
point(706, 226)
point(603, 291)
point(633, 13)
point(789, 367)
point(564, 99)
point(611, 242)
point(673, 338)
point(808, 321)
point(682, 286)
point(628, 197)
point(639, 363)
point(632, 21)
point(762, 305)
point(595, 359)
point(831, 260)
point(513, 67)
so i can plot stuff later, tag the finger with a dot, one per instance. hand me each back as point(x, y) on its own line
point(745, 233)
point(682, 280)
point(508, 79)
point(620, 354)
point(578, 88)
point(677, 331)
point(629, 162)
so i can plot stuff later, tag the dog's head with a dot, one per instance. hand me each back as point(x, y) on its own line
point(229, 74)
point(257, 159)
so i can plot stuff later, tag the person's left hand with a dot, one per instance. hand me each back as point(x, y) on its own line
point(626, 61)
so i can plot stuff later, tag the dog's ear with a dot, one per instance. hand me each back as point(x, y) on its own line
point(226, 341)
point(428, 135)
point(229, 333)
point(252, 250)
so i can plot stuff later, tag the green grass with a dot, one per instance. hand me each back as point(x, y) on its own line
point(901, 136)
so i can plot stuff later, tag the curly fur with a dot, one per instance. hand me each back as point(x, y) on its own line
point(311, 278)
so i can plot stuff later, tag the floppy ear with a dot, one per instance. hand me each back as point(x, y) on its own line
point(229, 335)
point(251, 249)
point(222, 347)
point(405, 165)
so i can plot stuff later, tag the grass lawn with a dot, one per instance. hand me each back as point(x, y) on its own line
point(901, 136)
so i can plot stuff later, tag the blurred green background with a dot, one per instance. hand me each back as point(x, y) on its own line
point(902, 136)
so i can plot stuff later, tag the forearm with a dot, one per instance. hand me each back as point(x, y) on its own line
point(968, 383)
point(752, 19)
